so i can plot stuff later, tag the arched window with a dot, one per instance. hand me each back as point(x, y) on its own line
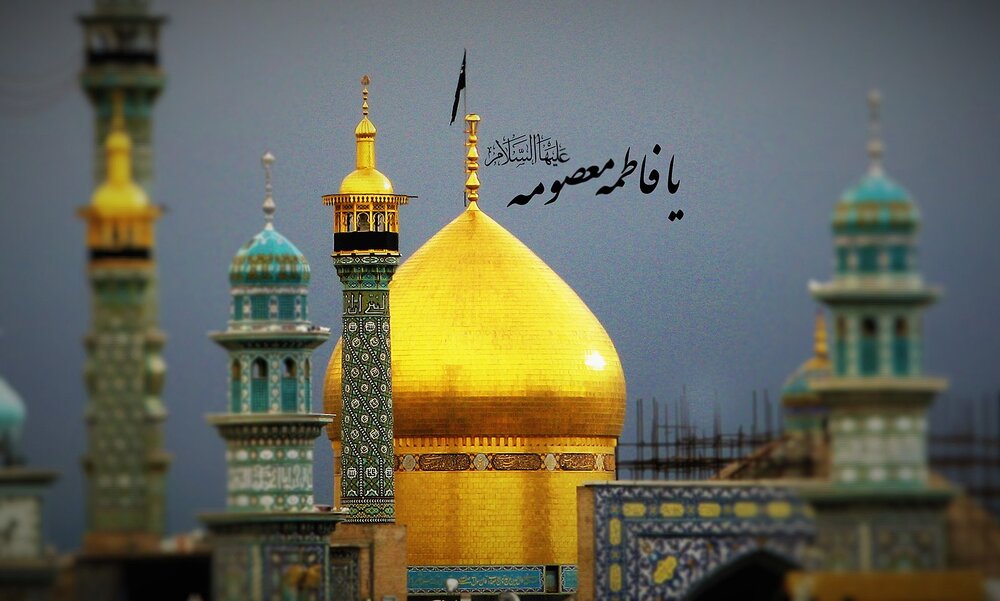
point(379, 222)
point(286, 307)
point(307, 382)
point(289, 385)
point(869, 346)
point(840, 345)
point(898, 258)
point(868, 259)
point(259, 306)
point(901, 347)
point(258, 386)
point(259, 369)
point(363, 223)
point(235, 386)
point(843, 253)
point(350, 223)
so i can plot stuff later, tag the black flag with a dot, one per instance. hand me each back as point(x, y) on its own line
point(458, 89)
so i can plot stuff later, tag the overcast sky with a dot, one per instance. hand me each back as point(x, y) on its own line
point(762, 105)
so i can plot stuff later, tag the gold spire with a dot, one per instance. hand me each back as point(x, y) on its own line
point(118, 194)
point(819, 338)
point(365, 179)
point(472, 162)
point(365, 80)
point(364, 133)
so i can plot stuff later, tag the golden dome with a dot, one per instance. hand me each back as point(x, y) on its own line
point(488, 340)
point(366, 181)
point(798, 386)
point(119, 195)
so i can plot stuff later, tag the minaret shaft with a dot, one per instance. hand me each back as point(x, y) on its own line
point(367, 457)
point(125, 464)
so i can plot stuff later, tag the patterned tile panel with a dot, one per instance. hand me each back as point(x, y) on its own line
point(656, 542)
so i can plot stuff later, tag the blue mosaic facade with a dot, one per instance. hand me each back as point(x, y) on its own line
point(656, 542)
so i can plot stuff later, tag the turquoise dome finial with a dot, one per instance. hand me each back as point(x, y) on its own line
point(876, 203)
point(875, 146)
point(267, 160)
point(269, 259)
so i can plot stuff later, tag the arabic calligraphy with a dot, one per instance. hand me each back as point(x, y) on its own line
point(364, 302)
point(516, 581)
point(477, 579)
point(526, 149)
point(585, 174)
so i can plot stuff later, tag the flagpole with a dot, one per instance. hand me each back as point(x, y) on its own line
point(465, 109)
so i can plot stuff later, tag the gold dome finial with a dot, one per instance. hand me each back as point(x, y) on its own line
point(118, 145)
point(118, 193)
point(365, 80)
point(365, 179)
point(472, 162)
point(819, 337)
point(364, 133)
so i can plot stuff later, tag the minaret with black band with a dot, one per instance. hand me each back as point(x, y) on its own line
point(125, 463)
point(366, 254)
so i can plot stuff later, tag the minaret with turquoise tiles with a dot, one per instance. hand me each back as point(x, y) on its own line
point(121, 50)
point(270, 426)
point(271, 542)
point(877, 395)
point(877, 300)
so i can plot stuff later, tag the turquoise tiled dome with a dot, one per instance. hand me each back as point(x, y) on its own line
point(875, 204)
point(269, 259)
point(876, 187)
point(11, 408)
point(800, 382)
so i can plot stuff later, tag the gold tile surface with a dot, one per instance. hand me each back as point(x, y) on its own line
point(493, 517)
point(487, 340)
